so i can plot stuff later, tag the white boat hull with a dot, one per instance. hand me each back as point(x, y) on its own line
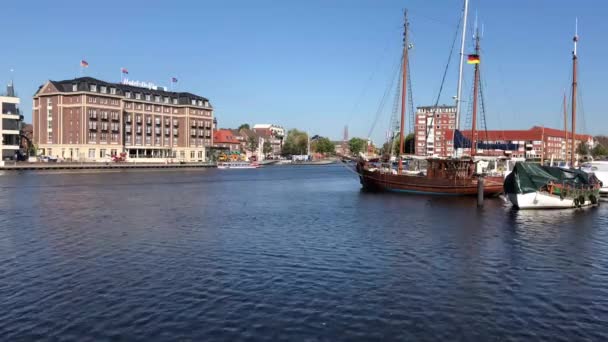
point(542, 200)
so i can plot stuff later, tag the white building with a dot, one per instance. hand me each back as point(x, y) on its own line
point(10, 124)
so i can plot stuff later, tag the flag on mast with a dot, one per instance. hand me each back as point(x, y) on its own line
point(173, 80)
point(473, 59)
point(84, 63)
point(124, 71)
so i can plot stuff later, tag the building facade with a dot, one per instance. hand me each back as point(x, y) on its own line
point(274, 134)
point(433, 129)
point(227, 139)
point(86, 119)
point(535, 143)
point(10, 125)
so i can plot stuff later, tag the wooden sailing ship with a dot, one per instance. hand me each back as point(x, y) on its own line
point(443, 176)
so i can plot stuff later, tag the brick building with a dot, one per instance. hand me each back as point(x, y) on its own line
point(274, 134)
point(433, 129)
point(88, 119)
point(534, 143)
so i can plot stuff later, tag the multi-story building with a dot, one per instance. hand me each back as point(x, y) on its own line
point(535, 143)
point(227, 139)
point(273, 134)
point(10, 124)
point(433, 129)
point(89, 119)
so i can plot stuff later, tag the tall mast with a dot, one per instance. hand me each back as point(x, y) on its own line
point(574, 67)
point(475, 95)
point(465, 12)
point(403, 91)
point(565, 127)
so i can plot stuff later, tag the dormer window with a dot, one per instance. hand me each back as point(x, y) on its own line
point(193, 102)
point(206, 103)
point(113, 91)
point(103, 89)
point(93, 87)
point(200, 103)
point(148, 97)
point(174, 101)
point(166, 99)
point(156, 98)
point(128, 94)
point(74, 87)
point(138, 96)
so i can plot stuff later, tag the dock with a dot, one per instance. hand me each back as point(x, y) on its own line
point(101, 166)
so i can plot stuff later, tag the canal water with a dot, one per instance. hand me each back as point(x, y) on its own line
point(287, 253)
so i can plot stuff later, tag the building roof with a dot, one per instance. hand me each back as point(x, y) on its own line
point(225, 136)
point(83, 83)
point(534, 133)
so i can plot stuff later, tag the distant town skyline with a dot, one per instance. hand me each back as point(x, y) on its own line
point(316, 65)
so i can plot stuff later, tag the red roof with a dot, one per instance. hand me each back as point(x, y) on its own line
point(224, 136)
point(534, 133)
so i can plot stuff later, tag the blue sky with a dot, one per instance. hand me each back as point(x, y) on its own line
point(317, 64)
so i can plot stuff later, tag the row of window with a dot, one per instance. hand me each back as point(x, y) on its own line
point(103, 137)
point(138, 96)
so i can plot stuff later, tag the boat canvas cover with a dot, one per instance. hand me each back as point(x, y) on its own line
point(531, 177)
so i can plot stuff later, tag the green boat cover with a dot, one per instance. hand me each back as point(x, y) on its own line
point(530, 177)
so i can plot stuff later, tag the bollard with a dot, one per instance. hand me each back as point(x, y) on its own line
point(480, 185)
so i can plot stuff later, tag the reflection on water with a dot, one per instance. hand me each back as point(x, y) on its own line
point(288, 254)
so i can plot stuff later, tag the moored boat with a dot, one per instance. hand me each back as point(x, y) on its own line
point(443, 176)
point(534, 186)
point(600, 170)
point(238, 165)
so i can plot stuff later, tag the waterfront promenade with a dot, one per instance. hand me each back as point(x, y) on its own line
point(100, 166)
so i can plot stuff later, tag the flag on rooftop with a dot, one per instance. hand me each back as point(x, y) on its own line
point(124, 71)
point(173, 80)
point(84, 64)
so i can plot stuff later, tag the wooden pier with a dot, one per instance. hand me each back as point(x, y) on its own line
point(101, 166)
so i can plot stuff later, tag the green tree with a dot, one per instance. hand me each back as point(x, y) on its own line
point(296, 142)
point(356, 145)
point(583, 149)
point(267, 147)
point(324, 145)
point(252, 144)
point(599, 151)
point(244, 126)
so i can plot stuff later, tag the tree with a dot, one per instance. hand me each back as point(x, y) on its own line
point(583, 149)
point(296, 142)
point(356, 145)
point(267, 147)
point(324, 145)
point(252, 144)
point(599, 151)
point(244, 126)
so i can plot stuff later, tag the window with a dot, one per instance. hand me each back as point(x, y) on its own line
point(156, 98)
point(137, 96)
point(128, 94)
point(102, 153)
point(166, 99)
point(74, 87)
point(93, 87)
point(193, 102)
point(103, 89)
point(200, 103)
point(174, 101)
point(191, 154)
point(113, 91)
point(148, 97)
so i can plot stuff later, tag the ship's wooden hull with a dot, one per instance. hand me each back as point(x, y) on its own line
point(421, 184)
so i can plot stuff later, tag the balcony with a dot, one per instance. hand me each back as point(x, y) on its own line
point(138, 119)
point(175, 132)
point(193, 132)
point(128, 119)
point(175, 123)
point(193, 123)
point(157, 121)
point(128, 129)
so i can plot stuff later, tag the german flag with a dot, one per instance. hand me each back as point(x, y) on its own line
point(473, 59)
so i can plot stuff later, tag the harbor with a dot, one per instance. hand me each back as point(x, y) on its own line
point(298, 171)
point(197, 253)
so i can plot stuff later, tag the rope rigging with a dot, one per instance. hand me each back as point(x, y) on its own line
point(445, 72)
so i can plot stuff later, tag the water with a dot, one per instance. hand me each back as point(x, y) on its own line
point(287, 253)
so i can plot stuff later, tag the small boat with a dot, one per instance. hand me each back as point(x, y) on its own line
point(534, 186)
point(238, 165)
point(600, 170)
